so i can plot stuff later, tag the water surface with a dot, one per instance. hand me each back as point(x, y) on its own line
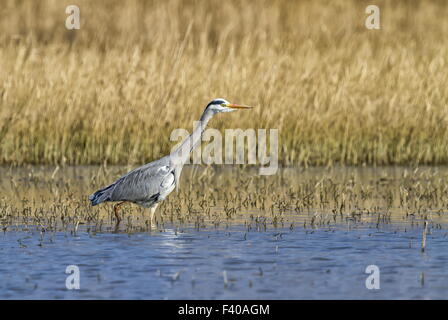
point(231, 248)
point(274, 264)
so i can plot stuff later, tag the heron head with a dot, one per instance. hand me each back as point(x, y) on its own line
point(222, 105)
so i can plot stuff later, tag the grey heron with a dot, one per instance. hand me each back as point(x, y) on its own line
point(151, 183)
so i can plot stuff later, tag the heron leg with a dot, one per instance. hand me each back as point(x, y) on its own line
point(153, 210)
point(116, 207)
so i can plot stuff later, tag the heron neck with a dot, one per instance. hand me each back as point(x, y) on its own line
point(193, 140)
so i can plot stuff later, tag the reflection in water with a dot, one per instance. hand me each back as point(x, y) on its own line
point(273, 264)
point(301, 234)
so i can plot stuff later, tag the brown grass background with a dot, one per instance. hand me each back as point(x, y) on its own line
point(115, 89)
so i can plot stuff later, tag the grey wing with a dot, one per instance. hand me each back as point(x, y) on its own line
point(142, 184)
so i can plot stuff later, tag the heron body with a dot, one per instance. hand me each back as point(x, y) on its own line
point(151, 183)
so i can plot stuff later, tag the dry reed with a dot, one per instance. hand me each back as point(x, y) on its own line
point(115, 89)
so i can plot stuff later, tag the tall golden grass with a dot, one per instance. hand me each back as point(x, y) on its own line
point(115, 89)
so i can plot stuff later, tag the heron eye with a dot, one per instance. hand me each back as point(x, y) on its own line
point(223, 104)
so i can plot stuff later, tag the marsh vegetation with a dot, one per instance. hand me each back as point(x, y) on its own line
point(113, 91)
point(228, 234)
point(55, 199)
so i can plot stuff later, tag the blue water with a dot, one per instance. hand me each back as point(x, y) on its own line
point(193, 264)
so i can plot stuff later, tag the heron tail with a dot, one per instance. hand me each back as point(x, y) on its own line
point(101, 195)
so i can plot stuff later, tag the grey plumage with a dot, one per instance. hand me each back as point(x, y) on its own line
point(145, 185)
point(152, 183)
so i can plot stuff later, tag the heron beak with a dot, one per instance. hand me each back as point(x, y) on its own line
point(238, 106)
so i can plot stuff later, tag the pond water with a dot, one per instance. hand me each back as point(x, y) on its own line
point(225, 264)
point(237, 259)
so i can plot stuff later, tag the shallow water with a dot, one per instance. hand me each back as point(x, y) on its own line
point(247, 256)
point(273, 264)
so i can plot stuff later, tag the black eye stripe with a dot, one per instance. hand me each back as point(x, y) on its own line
point(214, 102)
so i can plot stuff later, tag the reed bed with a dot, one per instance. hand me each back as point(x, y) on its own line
point(53, 199)
point(113, 91)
